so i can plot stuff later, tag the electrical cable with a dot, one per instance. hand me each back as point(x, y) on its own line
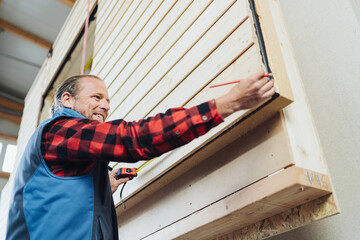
point(121, 199)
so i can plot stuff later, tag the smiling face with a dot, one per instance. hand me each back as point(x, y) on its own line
point(91, 100)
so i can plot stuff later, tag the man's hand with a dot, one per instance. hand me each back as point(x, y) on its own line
point(115, 183)
point(246, 94)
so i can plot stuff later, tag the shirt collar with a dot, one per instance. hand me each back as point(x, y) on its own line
point(67, 112)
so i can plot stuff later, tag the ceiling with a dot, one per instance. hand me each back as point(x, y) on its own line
point(27, 30)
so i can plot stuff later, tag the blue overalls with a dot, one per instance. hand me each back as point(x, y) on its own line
point(45, 206)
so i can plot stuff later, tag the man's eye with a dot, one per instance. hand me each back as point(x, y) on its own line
point(97, 97)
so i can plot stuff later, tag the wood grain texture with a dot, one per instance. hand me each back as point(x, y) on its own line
point(195, 183)
point(260, 200)
point(130, 13)
point(293, 218)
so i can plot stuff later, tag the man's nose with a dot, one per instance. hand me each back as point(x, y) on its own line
point(105, 105)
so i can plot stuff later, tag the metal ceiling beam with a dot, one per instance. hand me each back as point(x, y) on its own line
point(70, 3)
point(24, 34)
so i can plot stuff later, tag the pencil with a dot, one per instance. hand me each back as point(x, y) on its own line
point(236, 81)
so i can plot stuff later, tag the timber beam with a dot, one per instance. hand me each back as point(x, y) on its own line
point(24, 34)
point(11, 110)
point(69, 3)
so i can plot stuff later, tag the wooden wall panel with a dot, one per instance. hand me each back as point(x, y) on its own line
point(108, 29)
point(153, 49)
point(220, 175)
point(168, 61)
point(117, 35)
point(135, 38)
point(165, 54)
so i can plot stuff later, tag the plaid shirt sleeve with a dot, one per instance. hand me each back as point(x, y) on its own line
point(70, 146)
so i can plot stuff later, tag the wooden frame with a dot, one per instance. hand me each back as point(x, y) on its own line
point(243, 121)
point(265, 198)
point(170, 169)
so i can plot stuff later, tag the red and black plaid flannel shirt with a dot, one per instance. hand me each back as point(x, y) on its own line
point(71, 145)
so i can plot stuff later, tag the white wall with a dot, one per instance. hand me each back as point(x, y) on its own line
point(326, 41)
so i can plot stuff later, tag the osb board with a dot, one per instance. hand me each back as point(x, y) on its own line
point(288, 220)
point(265, 198)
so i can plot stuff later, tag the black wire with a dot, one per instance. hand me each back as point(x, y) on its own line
point(260, 36)
point(122, 202)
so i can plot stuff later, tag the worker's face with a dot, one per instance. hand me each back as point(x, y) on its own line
point(91, 101)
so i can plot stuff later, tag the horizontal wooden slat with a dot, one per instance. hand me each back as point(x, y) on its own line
point(178, 50)
point(103, 31)
point(179, 85)
point(103, 6)
point(168, 31)
point(105, 14)
point(265, 198)
point(117, 35)
point(125, 27)
point(153, 13)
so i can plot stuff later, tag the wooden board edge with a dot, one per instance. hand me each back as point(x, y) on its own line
point(247, 122)
point(274, 45)
point(251, 205)
point(288, 220)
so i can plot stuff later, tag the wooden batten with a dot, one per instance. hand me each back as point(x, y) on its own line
point(287, 189)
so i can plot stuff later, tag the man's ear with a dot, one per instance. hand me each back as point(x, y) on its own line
point(67, 100)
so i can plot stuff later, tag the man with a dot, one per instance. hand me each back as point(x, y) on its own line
point(62, 188)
